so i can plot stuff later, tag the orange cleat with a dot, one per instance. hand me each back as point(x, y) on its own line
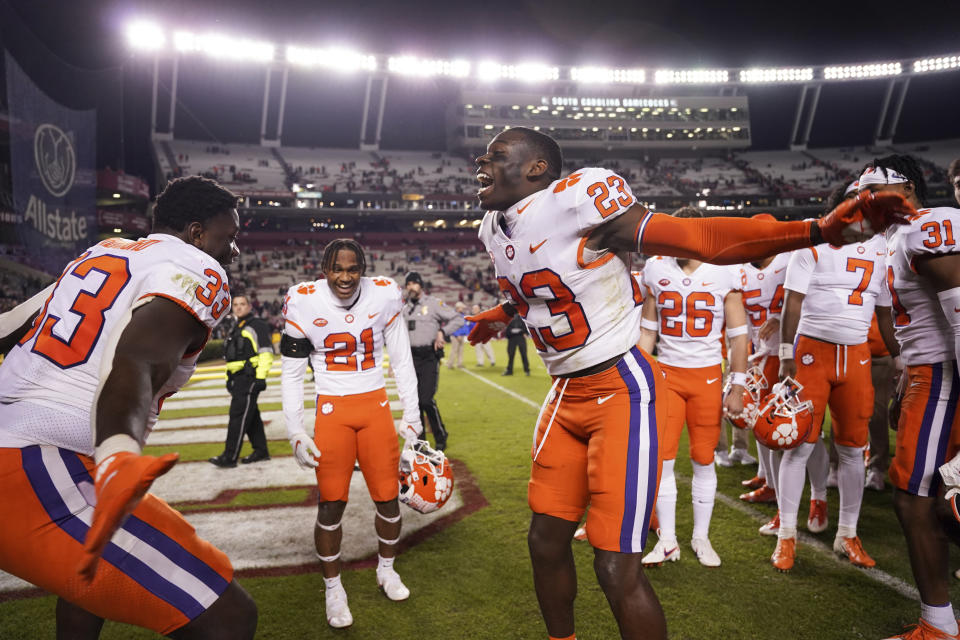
point(817, 520)
point(754, 483)
point(772, 528)
point(924, 631)
point(784, 555)
point(764, 494)
point(853, 549)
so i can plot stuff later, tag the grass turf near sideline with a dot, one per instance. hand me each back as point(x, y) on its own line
point(473, 579)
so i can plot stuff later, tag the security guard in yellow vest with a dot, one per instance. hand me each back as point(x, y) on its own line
point(248, 351)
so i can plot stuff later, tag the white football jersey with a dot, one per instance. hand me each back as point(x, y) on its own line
point(581, 307)
point(763, 298)
point(924, 334)
point(347, 356)
point(842, 286)
point(48, 382)
point(689, 309)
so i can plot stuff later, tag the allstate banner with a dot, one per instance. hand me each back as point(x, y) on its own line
point(52, 156)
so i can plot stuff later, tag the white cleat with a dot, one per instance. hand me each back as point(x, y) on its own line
point(832, 478)
point(705, 553)
point(338, 612)
point(662, 553)
point(875, 480)
point(741, 456)
point(722, 459)
point(393, 587)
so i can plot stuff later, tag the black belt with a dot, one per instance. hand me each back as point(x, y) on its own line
point(423, 351)
point(597, 368)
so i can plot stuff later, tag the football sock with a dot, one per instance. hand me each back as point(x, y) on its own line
point(333, 583)
point(763, 462)
point(704, 491)
point(790, 486)
point(818, 466)
point(850, 482)
point(942, 617)
point(667, 503)
point(384, 563)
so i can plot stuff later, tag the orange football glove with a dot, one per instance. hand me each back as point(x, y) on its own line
point(489, 323)
point(121, 482)
point(860, 218)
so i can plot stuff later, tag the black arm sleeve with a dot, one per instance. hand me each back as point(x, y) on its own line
point(291, 347)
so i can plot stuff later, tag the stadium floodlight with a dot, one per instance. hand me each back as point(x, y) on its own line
point(776, 75)
point(413, 66)
point(526, 72)
point(147, 36)
point(859, 71)
point(943, 63)
point(221, 46)
point(598, 75)
point(336, 58)
point(691, 76)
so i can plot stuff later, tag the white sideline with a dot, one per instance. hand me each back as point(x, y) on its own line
point(878, 575)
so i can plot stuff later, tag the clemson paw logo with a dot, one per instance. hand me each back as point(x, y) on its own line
point(442, 489)
point(326, 408)
point(306, 289)
point(807, 358)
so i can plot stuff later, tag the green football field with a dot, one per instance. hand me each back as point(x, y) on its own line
point(469, 573)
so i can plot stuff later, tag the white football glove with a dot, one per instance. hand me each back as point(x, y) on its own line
point(411, 431)
point(407, 455)
point(950, 472)
point(304, 450)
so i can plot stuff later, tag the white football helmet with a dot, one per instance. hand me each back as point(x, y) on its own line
point(784, 420)
point(756, 385)
point(426, 478)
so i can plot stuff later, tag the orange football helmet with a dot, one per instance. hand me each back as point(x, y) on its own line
point(426, 478)
point(783, 419)
point(756, 384)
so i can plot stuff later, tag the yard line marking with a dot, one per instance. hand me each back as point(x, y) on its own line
point(512, 394)
point(903, 588)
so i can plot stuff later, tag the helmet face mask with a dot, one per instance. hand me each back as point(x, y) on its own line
point(426, 478)
point(784, 420)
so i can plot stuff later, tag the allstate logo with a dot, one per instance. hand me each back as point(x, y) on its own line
point(55, 158)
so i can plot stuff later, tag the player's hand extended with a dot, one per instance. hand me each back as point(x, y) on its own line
point(305, 452)
point(121, 482)
point(950, 472)
point(489, 323)
point(788, 368)
point(858, 219)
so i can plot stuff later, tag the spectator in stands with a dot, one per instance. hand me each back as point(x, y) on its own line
point(457, 340)
point(484, 349)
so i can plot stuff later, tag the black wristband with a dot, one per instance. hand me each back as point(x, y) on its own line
point(816, 236)
point(291, 347)
point(509, 309)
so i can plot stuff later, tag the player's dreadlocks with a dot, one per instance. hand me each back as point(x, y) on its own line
point(334, 246)
point(687, 212)
point(906, 166)
point(191, 199)
point(547, 148)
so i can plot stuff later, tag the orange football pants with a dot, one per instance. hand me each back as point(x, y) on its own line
point(839, 376)
point(695, 398)
point(928, 433)
point(596, 443)
point(359, 428)
point(155, 573)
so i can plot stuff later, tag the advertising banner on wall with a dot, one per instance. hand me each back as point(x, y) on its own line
point(52, 158)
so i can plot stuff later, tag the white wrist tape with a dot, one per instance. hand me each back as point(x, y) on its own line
point(786, 351)
point(738, 377)
point(651, 325)
point(733, 332)
point(116, 444)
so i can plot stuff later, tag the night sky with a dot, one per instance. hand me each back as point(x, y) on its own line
point(88, 36)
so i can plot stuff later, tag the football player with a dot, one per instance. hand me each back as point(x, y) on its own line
point(342, 323)
point(762, 285)
point(117, 333)
point(924, 278)
point(689, 303)
point(556, 245)
point(831, 294)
